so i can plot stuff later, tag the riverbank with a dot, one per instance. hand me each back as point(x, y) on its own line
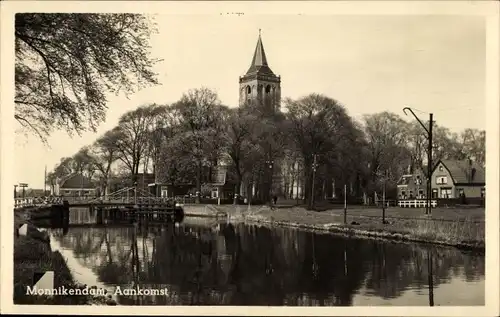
point(32, 253)
point(464, 229)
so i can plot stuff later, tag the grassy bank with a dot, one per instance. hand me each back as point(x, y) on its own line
point(462, 228)
point(32, 253)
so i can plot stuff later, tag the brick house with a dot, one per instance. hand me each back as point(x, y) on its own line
point(412, 186)
point(456, 179)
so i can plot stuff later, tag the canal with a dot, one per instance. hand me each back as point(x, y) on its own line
point(204, 262)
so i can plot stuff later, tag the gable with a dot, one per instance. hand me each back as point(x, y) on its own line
point(462, 172)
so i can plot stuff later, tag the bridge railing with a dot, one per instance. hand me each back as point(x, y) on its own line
point(36, 201)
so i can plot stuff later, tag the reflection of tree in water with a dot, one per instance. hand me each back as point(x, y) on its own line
point(251, 265)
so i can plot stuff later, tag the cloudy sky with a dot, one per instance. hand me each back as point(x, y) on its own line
point(368, 63)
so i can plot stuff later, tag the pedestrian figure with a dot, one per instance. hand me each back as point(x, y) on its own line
point(275, 199)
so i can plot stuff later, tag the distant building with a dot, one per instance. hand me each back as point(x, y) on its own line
point(32, 192)
point(412, 186)
point(216, 183)
point(74, 185)
point(455, 179)
point(144, 180)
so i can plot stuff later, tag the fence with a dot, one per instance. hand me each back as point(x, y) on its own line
point(416, 203)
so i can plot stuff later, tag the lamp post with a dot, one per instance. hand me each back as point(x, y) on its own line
point(270, 163)
point(384, 186)
point(428, 209)
point(23, 186)
point(314, 168)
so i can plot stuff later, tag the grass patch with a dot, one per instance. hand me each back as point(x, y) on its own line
point(455, 227)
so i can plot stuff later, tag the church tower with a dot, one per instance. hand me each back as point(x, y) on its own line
point(260, 85)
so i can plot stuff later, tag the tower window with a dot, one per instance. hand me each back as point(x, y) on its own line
point(268, 89)
point(249, 90)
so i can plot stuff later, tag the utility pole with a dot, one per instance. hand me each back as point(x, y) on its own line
point(314, 166)
point(428, 209)
point(429, 169)
point(345, 204)
point(383, 198)
point(45, 182)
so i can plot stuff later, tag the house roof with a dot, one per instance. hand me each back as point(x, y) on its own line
point(76, 181)
point(464, 172)
point(147, 178)
point(405, 179)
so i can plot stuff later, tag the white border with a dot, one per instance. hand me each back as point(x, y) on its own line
point(488, 9)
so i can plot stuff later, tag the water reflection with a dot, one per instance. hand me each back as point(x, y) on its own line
point(224, 264)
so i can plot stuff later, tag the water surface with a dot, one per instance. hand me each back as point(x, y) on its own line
point(202, 262)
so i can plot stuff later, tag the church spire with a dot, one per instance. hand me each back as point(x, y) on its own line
point(259, 57)
point(259, 61)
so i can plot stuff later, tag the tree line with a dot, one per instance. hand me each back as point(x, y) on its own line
point(67, 63)
point(178, 141)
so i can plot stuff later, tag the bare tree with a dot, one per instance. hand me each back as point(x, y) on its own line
point(104, 152)
point(132, 137)
point(387, 140)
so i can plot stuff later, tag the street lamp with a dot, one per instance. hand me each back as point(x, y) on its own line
point(23, 186)
point(270, 163)
point(314, 168)
point(428, 209)
point(384, 185)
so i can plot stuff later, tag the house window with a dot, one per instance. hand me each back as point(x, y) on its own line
point(420, 193)
point(440, 168)
point(441, 180)
point(460, 191)
point(403, 194)
point(411, 194)
point(446, 193)
point(419, 180)
point(215, 193)
point(67, 192)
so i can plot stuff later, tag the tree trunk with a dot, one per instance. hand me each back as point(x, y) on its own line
point(237, 187)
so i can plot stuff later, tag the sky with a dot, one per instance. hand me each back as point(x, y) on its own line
point(369, 64)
